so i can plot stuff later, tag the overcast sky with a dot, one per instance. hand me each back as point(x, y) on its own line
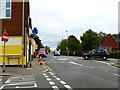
point(53, 17)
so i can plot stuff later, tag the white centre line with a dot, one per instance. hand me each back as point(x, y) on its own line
point(116, 74)
point(63, 59)
point(81, 65)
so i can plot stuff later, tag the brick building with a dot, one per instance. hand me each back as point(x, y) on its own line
point(111, 44)
point(14, 18)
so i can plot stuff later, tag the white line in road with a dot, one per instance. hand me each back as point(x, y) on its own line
point(21, 83)
point(0, 79)
point(2, 87)
point(55, 87)
point(76, 63)
point(8, 81)
point(51, 83)
point(62, 82)
point(103, 62)
point(46, 76)
point(116, 74)
point(68, 87)
point(58, 79)
point(48, 79)
point(54, 76)
point(54, 56)
point(80, 65)
point(63, 59)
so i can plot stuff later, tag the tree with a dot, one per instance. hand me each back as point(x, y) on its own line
point(89, 40)
point(72, 44)
point(37, 41)
point(62, 46)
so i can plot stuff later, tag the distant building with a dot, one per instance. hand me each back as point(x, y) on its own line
point(14, 18)
point(111, 44)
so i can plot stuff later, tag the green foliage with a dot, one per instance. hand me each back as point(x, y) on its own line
point(37, 41)
point(114, 55)
point(62, 47)
point(89, 40)
point(72, 44)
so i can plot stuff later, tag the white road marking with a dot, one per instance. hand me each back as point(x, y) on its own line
point(0, 79)
point(68, 87)
point(46, 76)
point(16, 82)
point(103, 62)
point(62, 82)
point(55, 87)
point(58, 79)
point(51, 83)
point(54, 56)
point(21, 83)
point(17, 87)
point(54, 76)
point(76, 63)
point(2, 87)
point(81, 65)
point(48, 79)
point(116, 74)
point(8, 81)
point(52, 73)
point(63, 59)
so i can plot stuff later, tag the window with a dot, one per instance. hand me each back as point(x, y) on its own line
point(5, 8)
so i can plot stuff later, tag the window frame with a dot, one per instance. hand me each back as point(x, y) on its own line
point(5, 9)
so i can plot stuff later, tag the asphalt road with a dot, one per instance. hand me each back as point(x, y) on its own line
point(68, 73)
point(79, 73)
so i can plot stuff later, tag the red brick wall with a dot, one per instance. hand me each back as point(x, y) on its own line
point(14, 24)
point(109, 41)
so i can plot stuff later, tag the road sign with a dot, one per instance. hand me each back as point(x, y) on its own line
point(5, 36)
point(35, 31)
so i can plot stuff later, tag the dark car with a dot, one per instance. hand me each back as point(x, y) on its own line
point(96, 53)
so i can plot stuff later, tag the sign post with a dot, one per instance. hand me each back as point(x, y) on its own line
point(5, 39)
point(34, 31)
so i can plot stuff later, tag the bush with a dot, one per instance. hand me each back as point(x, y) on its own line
point(114, 54)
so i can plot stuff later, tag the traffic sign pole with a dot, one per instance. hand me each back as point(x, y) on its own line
point(34, 31)
point(4, 58)
point(5, 39)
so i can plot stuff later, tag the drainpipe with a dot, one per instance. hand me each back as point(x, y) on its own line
point(23, 34)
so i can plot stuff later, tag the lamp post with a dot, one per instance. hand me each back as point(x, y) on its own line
point(67, 43)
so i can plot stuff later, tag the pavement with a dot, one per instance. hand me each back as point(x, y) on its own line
point(20, 71)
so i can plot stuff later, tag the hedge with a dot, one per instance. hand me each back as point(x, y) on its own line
point(114, 54)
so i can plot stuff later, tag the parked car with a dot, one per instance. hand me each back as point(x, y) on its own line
point(57, 53)
point(96, 53)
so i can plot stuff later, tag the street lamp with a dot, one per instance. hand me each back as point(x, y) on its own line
point(67, 43)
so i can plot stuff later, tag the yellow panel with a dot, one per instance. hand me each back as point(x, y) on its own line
point(11, 50)
point(13, 61)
